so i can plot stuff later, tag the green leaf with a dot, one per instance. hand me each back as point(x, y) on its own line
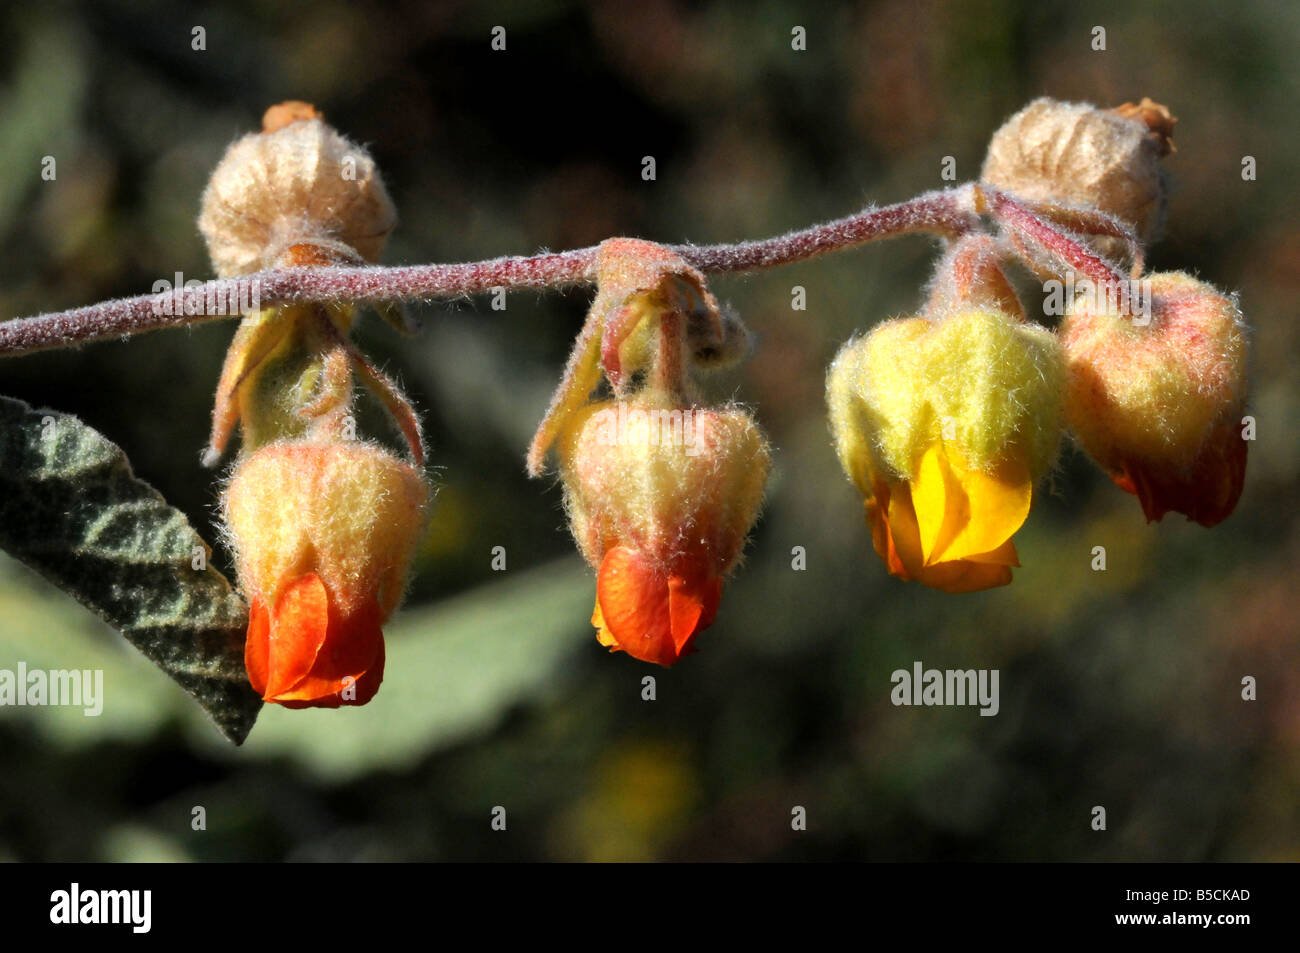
point(47, 630)
point(72, 510)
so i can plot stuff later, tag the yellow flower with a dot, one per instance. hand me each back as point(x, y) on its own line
point(945, 425)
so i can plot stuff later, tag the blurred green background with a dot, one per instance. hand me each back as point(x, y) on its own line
point(1119, 689)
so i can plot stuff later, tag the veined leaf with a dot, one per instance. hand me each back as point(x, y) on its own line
point(72, 510)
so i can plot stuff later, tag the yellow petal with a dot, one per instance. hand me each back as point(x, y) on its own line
point(602, 633)
point(964, 513)
point(897, 540)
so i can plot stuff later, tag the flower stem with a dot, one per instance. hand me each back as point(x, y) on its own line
point(947, 213)
point(1060, 245)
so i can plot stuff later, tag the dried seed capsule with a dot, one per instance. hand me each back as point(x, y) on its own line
point(1077, 154)
point(299, 182)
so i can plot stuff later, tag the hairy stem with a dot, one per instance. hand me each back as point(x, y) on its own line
point(1062, 247)
point(946, 213)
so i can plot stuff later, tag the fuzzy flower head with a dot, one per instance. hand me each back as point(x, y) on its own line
point(1158, 402)
point(660, 499)
point(323, 535)
point(945, 424)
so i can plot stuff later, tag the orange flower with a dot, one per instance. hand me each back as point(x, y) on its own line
point(323, 534)
point(1156, 399)
point(1205, 491)
point(309, 654)
point(660, 491)
point(660, 499)
point(654, 610)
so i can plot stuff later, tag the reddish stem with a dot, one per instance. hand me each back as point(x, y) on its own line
point(1067, 249)
point(945, 213)
point(669, 368)
point(971, 273)
point(126, 316)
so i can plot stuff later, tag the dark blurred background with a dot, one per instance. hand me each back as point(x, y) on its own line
point(1120, 689)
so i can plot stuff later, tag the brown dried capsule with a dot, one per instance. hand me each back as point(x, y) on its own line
point(298, 182)
point(1077, 154)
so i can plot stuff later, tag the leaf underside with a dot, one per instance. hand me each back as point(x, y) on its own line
point(71, 509)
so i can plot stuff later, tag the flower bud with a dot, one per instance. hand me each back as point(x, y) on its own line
point(296, 184)
point(945, 425)
point(660, 499)
point(1076, 154)
point(1157, 401)
point(323, 535)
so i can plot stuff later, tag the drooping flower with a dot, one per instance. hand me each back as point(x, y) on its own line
point(661, 489)
point(323, 535)
point(660, 499)
point(945, 424)
point(1156, 398)
point(322, 526)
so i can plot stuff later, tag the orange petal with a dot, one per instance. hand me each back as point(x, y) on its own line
point(967, 575)
point(693, 599)
point(257, 647)
point(298, 626)
point(359, 692)
point(307, 653)
point(633, 602)
point(882, 539)
point(649, 612)
point(1004, 555)
point(349, 666)
point(1206, 492)
point(904, 533)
